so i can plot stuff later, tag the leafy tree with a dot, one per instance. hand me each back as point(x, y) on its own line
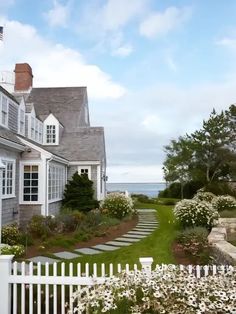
point(206, 155)
point(79, 193)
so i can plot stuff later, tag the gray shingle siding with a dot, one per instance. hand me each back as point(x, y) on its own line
point(13, 117)
point(26, 212)
point(54, 208)
point(10, 206)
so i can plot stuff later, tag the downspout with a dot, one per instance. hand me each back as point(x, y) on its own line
point(46, 185)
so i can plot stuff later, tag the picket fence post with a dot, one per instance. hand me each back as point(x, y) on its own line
point(146, 263)
point(5, 287)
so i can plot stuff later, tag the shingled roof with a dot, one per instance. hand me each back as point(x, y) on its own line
point(87, 144)
point(66, 104)
point(9, 135)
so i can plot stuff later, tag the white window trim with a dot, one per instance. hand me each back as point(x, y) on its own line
point(65, 179)
point(85, 167)
point(13, 178)
point(40, 183)
point(51, 120)
point(4, 125)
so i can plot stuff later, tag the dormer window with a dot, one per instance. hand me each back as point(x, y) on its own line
point(32, 128)
point(4, 110)
point(50, 134)
point(52, 130)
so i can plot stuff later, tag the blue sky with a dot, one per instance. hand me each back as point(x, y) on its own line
point(154, 69)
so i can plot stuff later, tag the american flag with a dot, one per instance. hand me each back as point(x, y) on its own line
point(1, 32)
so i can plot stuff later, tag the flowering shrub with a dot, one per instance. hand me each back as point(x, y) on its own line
point(117, 205)
point(194, 213)
point(224, 202)
point(17, 250)
point(194, 243)
point(11, 234)
point(166, 290)
point(40, 226)
point(204, 196)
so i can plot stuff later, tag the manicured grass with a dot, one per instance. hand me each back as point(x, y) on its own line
point(157, 245)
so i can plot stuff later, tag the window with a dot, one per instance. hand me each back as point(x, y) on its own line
point(22, 121)
point(40, 132)
point(50, 134)
point(36, 130)
point(8, 179)
point(31, 183)
point(4, 110)
point(32, 135)
point(56, 182)
point(85, 171)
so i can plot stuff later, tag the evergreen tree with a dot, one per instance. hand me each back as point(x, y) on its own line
point(79, 193)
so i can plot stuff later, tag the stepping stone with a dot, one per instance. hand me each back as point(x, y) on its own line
point(139, 232)
point(136, 236)
point(104, 247)
point(127, 239)
point(118, 243)
point(43, 259)
point(66, 255)
point(144, 229)
point(87, 251)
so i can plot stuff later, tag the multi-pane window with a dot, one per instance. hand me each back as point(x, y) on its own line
point(85, 171)
point(36, 130)
point(22, 121)
point(40, 132)
point(4, 110)
point(56, 182)
point(32, 134)
point(8, 178)
point(31, 183)
point(50, 134)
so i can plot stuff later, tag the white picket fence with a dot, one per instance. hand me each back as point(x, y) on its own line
point(27, 288)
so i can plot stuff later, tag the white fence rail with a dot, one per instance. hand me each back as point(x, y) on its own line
point(27, 288)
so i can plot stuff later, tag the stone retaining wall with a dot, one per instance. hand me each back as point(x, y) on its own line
point(224, 252)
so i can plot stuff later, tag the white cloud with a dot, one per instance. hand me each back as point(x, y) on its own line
point(58, 15)
point(123, 51)
point(227, 42)
point(161, 23)
point(54, 64)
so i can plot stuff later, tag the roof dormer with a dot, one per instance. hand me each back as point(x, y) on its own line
point(52, 128)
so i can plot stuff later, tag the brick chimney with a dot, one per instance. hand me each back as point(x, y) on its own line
point(23, 77)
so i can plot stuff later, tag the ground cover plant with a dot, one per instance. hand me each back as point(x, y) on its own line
point(165, 290)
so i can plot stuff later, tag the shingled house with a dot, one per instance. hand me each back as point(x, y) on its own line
point(45, 137)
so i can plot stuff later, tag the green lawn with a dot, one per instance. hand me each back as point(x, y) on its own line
point(157, 245)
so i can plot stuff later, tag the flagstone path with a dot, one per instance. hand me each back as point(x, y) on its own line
point(147, 223)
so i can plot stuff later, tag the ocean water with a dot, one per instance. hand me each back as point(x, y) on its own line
point(149, 189)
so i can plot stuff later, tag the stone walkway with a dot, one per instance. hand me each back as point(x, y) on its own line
point(147, 223)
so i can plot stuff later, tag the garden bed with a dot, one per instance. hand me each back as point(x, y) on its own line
point(107, 234)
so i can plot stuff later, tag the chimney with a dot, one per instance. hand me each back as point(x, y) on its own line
point(23, 77)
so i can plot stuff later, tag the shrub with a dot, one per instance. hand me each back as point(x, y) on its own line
point(117, 205)
point(40, 226)
point(220, 188)
point(17, 250)
point(204, 196)
point(174, 190)
point(142, 198)
point(69, 221)
point(11, 234)
point(79, 194)
point(194, 242)
point(191, 213)
point(224, 202)
point(167, 290)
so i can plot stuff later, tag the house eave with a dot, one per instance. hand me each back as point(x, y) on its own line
point(11, 144)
